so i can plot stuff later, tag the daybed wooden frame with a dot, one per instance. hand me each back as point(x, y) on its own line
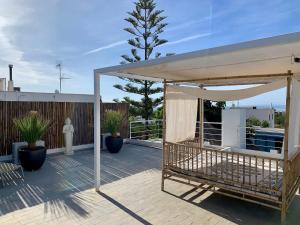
point(267, 181)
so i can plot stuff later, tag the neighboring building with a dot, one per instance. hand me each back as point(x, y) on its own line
point(262, 114)
point(2, 84)
point(236, 135)
point(267, 114)
point(10, 83)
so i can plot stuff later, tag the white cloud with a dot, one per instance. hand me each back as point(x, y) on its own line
point(189, 38)
point(33, 45)
point(25, 73)
point(112, 45)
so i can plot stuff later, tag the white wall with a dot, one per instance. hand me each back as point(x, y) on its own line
point(234, 128)
point(44, 97)
point(262, 114)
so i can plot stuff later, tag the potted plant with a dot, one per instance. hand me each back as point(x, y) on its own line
point(31, 127)
point(113, 123)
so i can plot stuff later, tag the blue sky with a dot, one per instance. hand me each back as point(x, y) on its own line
point(85, 35)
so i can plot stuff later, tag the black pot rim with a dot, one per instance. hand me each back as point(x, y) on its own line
point(27, 149)
point(114, 136)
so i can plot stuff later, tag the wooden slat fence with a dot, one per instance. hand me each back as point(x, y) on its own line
point(80, 113)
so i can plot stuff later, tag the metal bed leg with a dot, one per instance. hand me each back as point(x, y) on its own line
point(162, 180)
point(283, 215)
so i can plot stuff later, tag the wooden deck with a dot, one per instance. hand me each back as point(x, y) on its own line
point(62, 193)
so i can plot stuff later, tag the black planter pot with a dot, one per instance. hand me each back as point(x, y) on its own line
point(114, 144)
point(32, 159)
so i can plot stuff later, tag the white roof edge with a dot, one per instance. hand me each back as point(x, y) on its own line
point(264, 42)
point(45, 97)
point(133, 76)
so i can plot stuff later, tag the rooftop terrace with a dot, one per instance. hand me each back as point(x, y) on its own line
point(62, 193)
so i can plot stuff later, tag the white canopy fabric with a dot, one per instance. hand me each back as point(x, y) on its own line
point(294, 128)
point(272, 55)
point(226, 95)
point(181, 116)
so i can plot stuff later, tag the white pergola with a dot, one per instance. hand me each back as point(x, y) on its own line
point(255, 62)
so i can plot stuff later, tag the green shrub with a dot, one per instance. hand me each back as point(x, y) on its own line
point(253, 121)
point(113, 122)
point(31, 127)
point(279, 119)
point(265, 124)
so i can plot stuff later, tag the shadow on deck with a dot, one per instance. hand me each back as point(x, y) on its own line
point(63, 190)
point(235, 210)
point(61, 179)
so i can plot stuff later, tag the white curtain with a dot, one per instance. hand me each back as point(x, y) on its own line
point(294, 128)
point(229, 95)
point(181, 116)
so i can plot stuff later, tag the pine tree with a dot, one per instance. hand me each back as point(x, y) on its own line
point(146, 24)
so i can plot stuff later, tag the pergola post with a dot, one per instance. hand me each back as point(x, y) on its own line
point(201, 120)
point(97, 130)
point(286, 148)
point(164, 139)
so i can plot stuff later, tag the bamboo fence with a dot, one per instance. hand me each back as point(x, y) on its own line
point(81, 115)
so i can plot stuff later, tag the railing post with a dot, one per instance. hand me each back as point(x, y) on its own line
point(130, 129)
point(201, 118)
point(164, 138)
point(286, 146)
point(157, 128)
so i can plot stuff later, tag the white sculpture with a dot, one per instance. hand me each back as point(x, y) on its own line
point(68, 131)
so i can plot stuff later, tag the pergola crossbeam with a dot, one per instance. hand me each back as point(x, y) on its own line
point(250, 77)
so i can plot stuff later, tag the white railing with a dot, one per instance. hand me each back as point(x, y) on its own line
point(212, 132)
point(145, 129)
point(152, 130)
point(248, 137)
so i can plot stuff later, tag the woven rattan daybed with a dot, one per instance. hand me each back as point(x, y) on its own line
point(269, 180)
